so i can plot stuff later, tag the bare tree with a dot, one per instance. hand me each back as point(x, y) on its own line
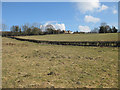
point(103, 24)
point(95, 30)
point(4, 27)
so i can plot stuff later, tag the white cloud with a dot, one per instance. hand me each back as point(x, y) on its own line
point(56, 25)
point(91, 6)
point(88, 6)
point(114, 11)
point(92, 19)
point(42, 27)
point(59, 26)
point(84, 29)
point(103, 7)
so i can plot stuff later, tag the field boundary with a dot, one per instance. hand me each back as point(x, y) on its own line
point(75, 43)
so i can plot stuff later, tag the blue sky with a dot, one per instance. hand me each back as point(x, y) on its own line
point(64, 15)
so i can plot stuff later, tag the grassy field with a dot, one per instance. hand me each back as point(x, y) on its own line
point(32, 65)
point(76, 37)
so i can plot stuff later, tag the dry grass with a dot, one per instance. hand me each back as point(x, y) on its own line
point(31, 65)
point(75, 37)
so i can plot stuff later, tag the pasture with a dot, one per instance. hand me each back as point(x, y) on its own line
point(31, 65)
point(75, 37)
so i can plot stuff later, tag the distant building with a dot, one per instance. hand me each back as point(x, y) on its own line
point(67, 32)
point(70, 32)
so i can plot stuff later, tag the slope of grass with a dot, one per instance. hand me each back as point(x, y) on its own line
point(75, 37)
point(31, 65)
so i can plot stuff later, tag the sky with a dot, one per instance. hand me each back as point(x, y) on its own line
point(74, 16)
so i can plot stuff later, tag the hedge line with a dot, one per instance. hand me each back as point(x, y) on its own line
point(76, 43)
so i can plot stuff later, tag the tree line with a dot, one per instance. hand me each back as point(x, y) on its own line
point(25, 30)
point(104, 28)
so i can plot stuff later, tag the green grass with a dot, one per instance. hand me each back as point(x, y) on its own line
point(32, 65)
point(75, 37)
